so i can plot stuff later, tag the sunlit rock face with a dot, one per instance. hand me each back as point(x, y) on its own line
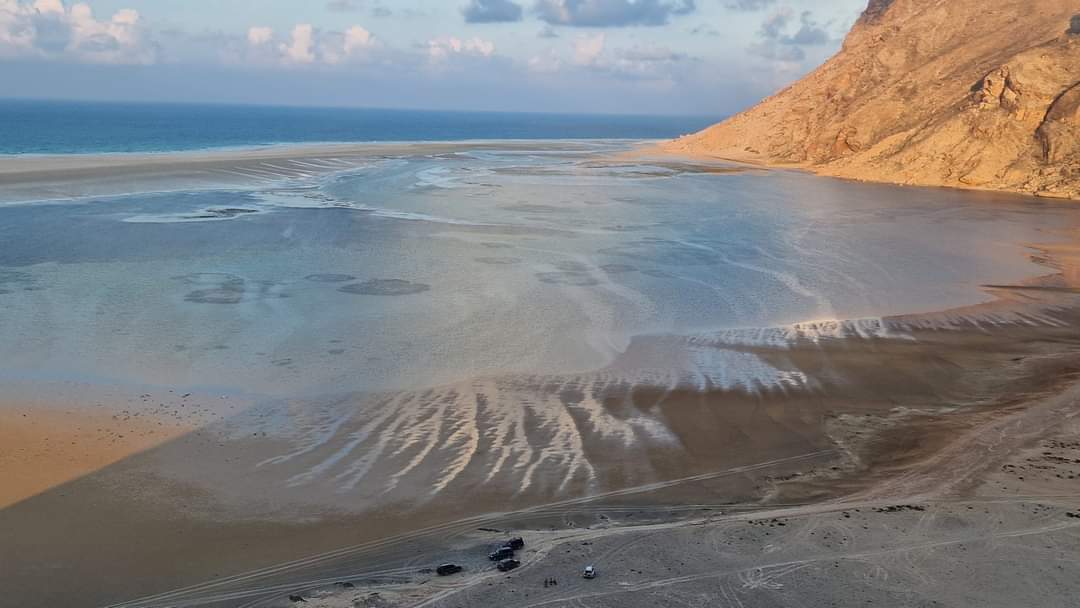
point(930, 92)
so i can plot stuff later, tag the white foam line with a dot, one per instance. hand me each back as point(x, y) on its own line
point(315, 164)
point(274, 175)
point(289, 170)
point(265, 175)
point(423, 217)
point(239, 173)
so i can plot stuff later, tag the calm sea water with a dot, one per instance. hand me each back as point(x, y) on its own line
point(60, 127)
point(479, 260)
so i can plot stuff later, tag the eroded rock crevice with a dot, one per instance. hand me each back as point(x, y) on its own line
point(1059, 132)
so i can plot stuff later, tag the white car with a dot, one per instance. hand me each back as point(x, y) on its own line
point(590, 572)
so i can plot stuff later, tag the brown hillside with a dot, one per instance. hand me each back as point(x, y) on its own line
point(964, 93)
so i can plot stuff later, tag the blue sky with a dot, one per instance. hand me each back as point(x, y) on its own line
point(625, 56)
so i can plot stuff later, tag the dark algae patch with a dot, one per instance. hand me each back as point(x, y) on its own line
point(577, 279)
point(618, 268)
point(499, 261)
point(220, 214)
point(330, 278)
point(385, 287)
point(223, 288)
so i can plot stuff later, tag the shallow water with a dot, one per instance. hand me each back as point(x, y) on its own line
point(420, 270)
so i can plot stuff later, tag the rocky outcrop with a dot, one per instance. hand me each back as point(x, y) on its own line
point(964, 93)
point(1059, 132)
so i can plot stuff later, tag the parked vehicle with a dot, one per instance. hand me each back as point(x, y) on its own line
point(507, 565)
point(517, 543)
point(503, 552)
point(448, 569)
point(590, 572)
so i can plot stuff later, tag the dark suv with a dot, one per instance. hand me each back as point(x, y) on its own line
point(517, 543)
point(447, 569)
point(507, 565)
point(501, 553)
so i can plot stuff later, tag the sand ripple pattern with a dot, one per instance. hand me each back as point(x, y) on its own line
point(552, 436)
point(541, 436)
point(529, 434)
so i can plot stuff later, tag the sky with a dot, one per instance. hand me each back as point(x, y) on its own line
point(701, 57)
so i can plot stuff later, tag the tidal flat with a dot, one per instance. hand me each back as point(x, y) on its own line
point(274, 371)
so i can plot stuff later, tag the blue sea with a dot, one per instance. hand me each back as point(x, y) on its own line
point(64, 127)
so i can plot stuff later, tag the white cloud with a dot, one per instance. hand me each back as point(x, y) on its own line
point(776, 44)
point(48, 29)
point(300, 47)
point(611, 13)
point(357, 38)
point(587, 49)
point(441, 48)
point(258, 35)
point(305, 45)
point(49, 6)
point(545, 63)
point(334, 48)
point(592, 56)
point(16, 32)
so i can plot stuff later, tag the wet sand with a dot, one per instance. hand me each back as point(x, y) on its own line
point(54, 433)
point(45, 448)
point(65, 176)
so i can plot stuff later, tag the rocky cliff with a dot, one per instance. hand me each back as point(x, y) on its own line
point(964, 93)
